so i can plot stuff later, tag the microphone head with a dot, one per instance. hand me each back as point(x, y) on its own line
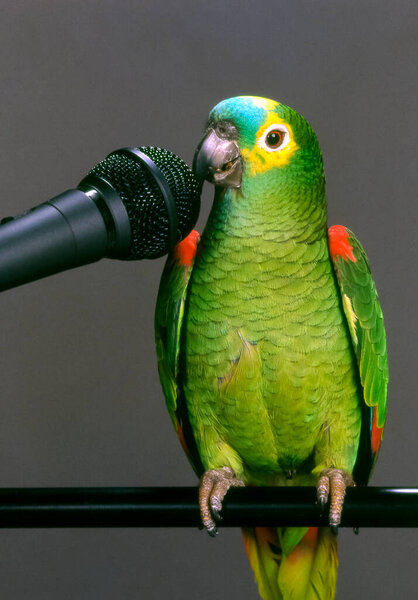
point(162, 203)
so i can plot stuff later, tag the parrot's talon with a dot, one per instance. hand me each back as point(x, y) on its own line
point(217, 515)
point(322, 504)
point(332, 484)
point(213, 488)
point(212, 531)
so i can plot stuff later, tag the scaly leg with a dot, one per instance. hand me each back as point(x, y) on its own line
point(333, 482)
point(213, 488)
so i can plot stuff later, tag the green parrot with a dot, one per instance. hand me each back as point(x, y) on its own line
point(270, 340)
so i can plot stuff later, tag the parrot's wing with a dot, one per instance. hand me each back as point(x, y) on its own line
point(169, 315)
point(365, 321)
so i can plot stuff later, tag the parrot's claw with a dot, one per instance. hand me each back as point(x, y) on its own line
point(213, 488)
point(333, 483)
point(322, 502)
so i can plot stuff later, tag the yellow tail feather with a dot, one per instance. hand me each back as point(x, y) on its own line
point(307, 572)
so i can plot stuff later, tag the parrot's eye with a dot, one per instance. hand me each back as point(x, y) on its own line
point(275, 138)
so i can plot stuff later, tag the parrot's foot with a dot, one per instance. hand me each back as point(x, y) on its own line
point(213, 488)
point(333, 482)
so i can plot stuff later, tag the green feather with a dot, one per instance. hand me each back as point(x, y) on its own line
point(368, 338)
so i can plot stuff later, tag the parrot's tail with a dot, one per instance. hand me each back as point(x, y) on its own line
point(293, 563)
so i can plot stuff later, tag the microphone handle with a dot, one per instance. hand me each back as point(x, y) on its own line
point(75, 228)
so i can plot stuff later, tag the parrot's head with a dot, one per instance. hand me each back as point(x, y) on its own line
point(251, 140)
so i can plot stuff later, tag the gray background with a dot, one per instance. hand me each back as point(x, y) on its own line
point(80, 399)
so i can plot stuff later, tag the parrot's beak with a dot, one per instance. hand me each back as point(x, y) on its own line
point(218, 158)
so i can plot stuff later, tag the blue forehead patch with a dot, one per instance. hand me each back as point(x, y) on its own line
point(246, 113)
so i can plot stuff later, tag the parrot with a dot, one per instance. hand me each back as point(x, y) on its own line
point(270, 340)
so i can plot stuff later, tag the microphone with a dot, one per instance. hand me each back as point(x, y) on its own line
point(136, 203)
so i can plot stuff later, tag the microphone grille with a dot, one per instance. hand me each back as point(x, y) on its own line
point(144, 201)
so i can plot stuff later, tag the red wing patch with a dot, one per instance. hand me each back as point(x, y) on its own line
point(376, 433)
point(185, 250)
point(339, 245)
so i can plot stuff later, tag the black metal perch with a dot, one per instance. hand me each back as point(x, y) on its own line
point(178, 507)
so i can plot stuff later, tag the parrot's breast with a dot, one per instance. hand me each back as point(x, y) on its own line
point(269, 372)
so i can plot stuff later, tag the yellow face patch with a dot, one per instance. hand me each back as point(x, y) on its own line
point(261, 158)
